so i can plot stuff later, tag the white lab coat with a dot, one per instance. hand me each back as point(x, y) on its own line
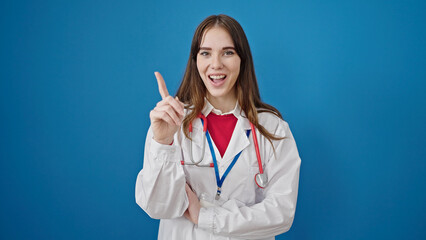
point(244, 211)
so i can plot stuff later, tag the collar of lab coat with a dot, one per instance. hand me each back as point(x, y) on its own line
point(208, 108)
point(239, 140)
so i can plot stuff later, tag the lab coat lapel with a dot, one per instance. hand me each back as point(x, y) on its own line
point(239, 140)
point(198, 135)
point(199, 138)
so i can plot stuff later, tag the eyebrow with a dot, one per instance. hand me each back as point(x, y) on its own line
point(225, 48)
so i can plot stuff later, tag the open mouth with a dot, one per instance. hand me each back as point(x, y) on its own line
point(217, 78)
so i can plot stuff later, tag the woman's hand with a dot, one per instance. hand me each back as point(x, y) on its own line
point(167, 116)
point(194, 206)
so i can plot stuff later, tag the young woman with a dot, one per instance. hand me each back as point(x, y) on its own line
point(219, 163)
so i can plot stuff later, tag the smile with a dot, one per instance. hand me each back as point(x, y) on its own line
point(217, 79)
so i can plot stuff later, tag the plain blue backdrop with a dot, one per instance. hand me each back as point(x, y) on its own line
point(77, 85)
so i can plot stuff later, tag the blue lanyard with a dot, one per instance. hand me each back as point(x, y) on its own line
point(219, 181)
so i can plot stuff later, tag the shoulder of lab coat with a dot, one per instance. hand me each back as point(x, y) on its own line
point(275, 213)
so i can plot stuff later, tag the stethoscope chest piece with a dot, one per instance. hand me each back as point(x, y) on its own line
point(261, 180)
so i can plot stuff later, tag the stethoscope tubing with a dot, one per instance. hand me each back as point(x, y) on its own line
point(197, 163)
point(256, 144)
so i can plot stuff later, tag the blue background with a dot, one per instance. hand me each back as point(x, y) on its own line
point(77, 85)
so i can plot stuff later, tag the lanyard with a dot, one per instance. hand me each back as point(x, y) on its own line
point(219, 181)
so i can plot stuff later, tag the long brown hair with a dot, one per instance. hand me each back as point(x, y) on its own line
point(192, 89)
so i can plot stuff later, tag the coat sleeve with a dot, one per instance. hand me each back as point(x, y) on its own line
point(160, 185)
point(270, 217)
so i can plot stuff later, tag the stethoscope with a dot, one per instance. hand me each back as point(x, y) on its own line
point(260, 178)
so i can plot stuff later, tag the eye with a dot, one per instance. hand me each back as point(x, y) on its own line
point(229, 53)
point(204, 53)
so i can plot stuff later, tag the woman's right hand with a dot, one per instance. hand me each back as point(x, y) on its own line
point(167, 116)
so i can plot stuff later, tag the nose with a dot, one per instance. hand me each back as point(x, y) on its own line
point(216, 62)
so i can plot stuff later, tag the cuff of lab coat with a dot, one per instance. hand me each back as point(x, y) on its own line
point(163, 152)
point(206, 219)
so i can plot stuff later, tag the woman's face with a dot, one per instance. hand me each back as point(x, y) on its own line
point(218, 64)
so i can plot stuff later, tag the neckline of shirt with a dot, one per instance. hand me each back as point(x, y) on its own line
point(208, 108)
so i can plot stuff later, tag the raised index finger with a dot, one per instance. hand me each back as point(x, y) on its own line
point(161, 85)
